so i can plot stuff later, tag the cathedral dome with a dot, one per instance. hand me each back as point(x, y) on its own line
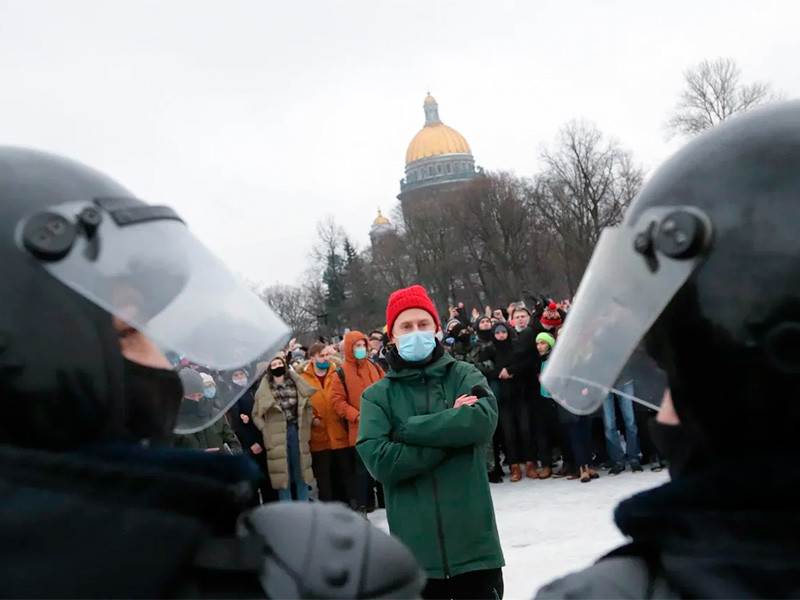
point(380, 220)
point(435, 138)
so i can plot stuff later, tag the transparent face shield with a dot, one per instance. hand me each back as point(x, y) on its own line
point(634, 273)
point(143, 265)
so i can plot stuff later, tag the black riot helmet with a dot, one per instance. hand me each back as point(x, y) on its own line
point(705, 271)
point(76, 250)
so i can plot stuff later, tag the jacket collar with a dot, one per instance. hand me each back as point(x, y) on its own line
point(210, 486)
point(714, 530)
point(436, 365)
point(304, 390)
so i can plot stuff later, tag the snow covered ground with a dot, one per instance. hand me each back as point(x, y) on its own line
point(549, 528)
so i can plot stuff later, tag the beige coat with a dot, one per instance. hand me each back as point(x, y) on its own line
point(271, 421)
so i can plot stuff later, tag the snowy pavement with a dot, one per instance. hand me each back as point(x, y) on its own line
point(549, 528)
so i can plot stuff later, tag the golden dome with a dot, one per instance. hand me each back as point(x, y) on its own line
point(433, 140)
point(435, 137)
point(380, 219)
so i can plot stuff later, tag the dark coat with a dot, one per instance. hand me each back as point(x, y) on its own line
point(247, 433)
point(215, 435)
point(708, 534)
point(118, 521)
point(525, 363)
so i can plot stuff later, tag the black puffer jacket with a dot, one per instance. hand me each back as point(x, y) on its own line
point(711, 534)
point(71, 520)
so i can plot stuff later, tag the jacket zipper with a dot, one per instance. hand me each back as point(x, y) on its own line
point(439, 526)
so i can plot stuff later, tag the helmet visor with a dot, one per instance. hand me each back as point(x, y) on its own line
point(159, 278)
point(621, 295)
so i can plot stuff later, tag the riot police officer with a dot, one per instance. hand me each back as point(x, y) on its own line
point(705, 271)
point(97, 288)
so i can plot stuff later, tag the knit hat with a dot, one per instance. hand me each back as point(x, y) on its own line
point(192, 381)
point(411, 297)
point(482, 318)
point(452, 323)
point(547, 338)
point(551, 317)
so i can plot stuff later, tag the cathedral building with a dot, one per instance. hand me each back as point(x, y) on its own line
point(438, 159)
point(439, 163)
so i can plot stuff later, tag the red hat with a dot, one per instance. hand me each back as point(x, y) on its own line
point(551, 317)
point(411, 297)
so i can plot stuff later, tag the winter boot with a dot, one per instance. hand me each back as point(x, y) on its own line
point(585, 477)
point(636, 466)
point(516, 473)
point(562, 472)
point(530, 470)
point(495, 477)
point(546, 473)
point(592, 473)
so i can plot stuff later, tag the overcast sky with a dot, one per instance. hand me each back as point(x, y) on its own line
point(256, 119)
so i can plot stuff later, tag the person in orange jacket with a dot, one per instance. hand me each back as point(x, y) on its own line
point(355, 375)
point(331, 455)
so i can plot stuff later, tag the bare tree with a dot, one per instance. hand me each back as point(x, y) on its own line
point(507, 242)
point(291, 305)
point(714, 92)
point(587, 184)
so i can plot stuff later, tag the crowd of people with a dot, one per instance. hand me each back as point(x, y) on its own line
point(93, 402)
point(299, 420)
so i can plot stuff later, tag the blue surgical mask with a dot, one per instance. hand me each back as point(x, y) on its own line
point(210, 391)
point(360, 353)
point(323, 366)
point(416, 346)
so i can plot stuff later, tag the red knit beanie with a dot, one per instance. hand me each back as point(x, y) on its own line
point(411, 297)
point(551, 317)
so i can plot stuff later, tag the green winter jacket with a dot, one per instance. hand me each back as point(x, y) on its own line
point(431, 459)
point(215, 435)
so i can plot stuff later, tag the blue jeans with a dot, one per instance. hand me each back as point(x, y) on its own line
point(613, 445)
point(293, 464)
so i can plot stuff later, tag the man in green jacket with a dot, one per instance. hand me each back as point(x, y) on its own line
point(423, 431)
point(214, 437)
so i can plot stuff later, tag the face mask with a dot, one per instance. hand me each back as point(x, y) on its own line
point(520, 328)
point(152, 398)
point(416, 346)
point(278, 371)
point(465, 338)
point(240, 381)
point(484, 334)
point(322, 366)
point(677, 445)
point(210, 391)
point(360, 353)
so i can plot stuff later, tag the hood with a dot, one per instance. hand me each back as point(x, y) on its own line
point(718, 534)
point(349, 341)
point(266, 365)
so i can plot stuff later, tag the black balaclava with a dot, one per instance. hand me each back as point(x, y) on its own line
point(485, 335)
point(153, 397)
point(677, 444)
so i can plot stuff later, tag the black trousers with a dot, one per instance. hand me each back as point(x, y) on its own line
point(363, 484)
point(580, 433)
point(333, 470)
point(516, 418)
point(264, 486)
point(475, 585)
point(544, 425)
